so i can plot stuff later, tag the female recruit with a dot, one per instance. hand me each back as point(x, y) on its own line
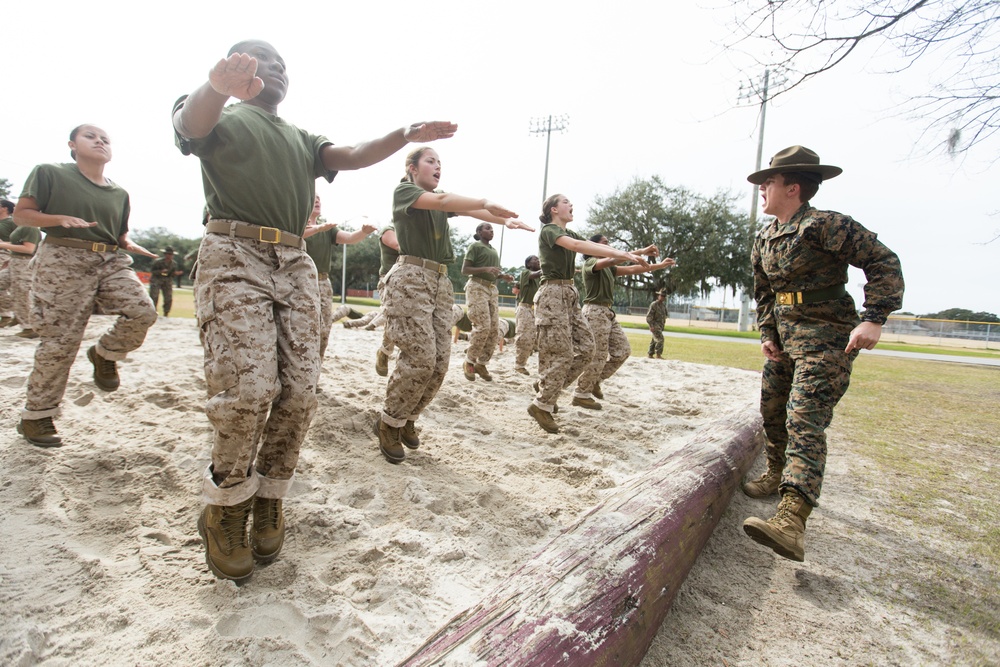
point(482, 265)
point(85, 218)
point(565, 344)
point(418, 295)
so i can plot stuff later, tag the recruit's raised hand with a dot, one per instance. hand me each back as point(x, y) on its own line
point(125, 244)
point(635, 259)
point(514, 223)
point(70, 222)
point(423, 132)
point(236, 76)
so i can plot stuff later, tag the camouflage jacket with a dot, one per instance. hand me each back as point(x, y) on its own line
point(812, 251)
point(657, 314)
point(160, 269)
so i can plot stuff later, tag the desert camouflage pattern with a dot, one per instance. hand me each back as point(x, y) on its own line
point(656, 318)
point(6, 298)
point(326, 314)
point(526, 338)
point(611, 347)
point(162, 283)
point(565, 344)
point(418, 309)
point(68, 284)
point(797, 398)
point(22, 271)
point(258, 311)
point(484, 313)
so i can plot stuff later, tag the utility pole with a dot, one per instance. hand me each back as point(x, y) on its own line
point(545, 125)
point(760, 92)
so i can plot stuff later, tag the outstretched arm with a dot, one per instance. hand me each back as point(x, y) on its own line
point(125, 244)
point(509, 223)
point(600, 250)
point(452, 203)
point(634, 269)
point(27, 214)
point(350, 238)
point(235, 76)
point(346, 158)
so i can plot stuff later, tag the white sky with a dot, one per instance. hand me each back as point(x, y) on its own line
point(647, 90)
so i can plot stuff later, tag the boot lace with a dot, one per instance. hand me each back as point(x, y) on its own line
point(45, 426)
point(234, 523)
point(266, 513)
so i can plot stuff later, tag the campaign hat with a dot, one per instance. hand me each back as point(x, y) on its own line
point(795, 158)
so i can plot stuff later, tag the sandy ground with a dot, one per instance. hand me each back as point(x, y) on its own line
point(103, 564)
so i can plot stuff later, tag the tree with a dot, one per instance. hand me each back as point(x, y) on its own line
point(5, 188)
point(808, 37)
point(155, 239)
point(704, 234)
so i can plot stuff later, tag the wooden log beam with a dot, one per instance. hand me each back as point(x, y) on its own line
point(597, 594)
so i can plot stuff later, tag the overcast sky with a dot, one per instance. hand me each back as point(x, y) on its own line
point(646, 87)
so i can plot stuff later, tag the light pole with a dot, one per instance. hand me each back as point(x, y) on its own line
point(545, 125)
point(760, 91)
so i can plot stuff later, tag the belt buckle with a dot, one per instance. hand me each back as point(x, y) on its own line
point(99, 247)
point(277, 235)
point(785, 298)
point(442, 269)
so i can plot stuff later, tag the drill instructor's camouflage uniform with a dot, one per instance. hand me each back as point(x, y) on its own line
point(526, 339)
point(812, 251)
point(656, 317)
point(161, 279)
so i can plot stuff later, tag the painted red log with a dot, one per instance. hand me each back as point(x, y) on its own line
point(597, 594)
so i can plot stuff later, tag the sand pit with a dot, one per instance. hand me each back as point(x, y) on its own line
point(103, 565)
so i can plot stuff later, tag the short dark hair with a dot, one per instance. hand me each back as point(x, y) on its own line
point(807, 181)
point(7, 204)
point(528, 259)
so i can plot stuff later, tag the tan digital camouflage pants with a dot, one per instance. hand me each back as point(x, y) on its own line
point(418, 321)
point(68, 283)
point(258, 310)
point(797, 397)
point(22, 272)
point(611, 347)
point(326, 318)
point(565, 344)
point(5, 295)
point(158, 284)
point(526, 338)
point(484, 313)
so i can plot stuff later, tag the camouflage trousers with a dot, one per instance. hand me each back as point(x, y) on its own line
point(611, 347)
point(797, 397)
point(5, 295)
point(656, 345)
point(484, 313)
point(526, 338)
point(68, 284)
point(326, 318)
point(258, 310)
point(22, 271)
point(565, 344)
point(159, 284)
point(418, 313)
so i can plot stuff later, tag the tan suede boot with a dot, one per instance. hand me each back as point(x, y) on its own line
point(543, 418)
point(765, 485)
point(389, 441)
point(586, 402)
point(381, 363)
point(105, 370)
point(408, 435)
point(40, 432)
point(267, 534)
point(482, 372)
point(227, 549)
point(785, 531)
point(596, 391)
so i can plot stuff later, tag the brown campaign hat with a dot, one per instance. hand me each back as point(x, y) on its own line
point(795, 158)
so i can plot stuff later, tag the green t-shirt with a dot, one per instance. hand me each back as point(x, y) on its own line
point(420, 232)
point(320, 248)
point(60, 189)
point(481, 255)
point(387, 255)
point(558, 263)
point(599, 287)
point(7, 228)
point(26, 235)
point(527, 287)
point(257, 168)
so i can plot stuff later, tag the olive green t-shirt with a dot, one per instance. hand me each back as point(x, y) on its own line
point(387, 255)
point(320, 248)
point(481, 255)
point(7, 228)
point(60, 189)
point(558, 263)
point(257, 168)
point(599, 287)
point(26, 235)
point(420, 232)
point(527, 287)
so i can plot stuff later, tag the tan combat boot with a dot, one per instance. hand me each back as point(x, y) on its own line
point(267, 533)
point(596, 391)
point(381, 363)
point(765, 485)
point(227, 549)
point(40, 432)
point(469, 370)
point(408, 435)
point(388, 441)
point(543, 418)
point(482, 372)
point(105, 370)
point(785, 531)
point(586, 402)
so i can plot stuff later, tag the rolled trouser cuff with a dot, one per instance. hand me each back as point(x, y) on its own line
point(392, 421)
point(32, 415)
point(268, 487)
point(109, 355)
point(233, 495)
point(544, 406)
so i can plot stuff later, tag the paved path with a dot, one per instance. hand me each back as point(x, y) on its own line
point(949, 358)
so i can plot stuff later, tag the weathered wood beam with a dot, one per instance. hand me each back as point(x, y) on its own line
point(597, 594)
